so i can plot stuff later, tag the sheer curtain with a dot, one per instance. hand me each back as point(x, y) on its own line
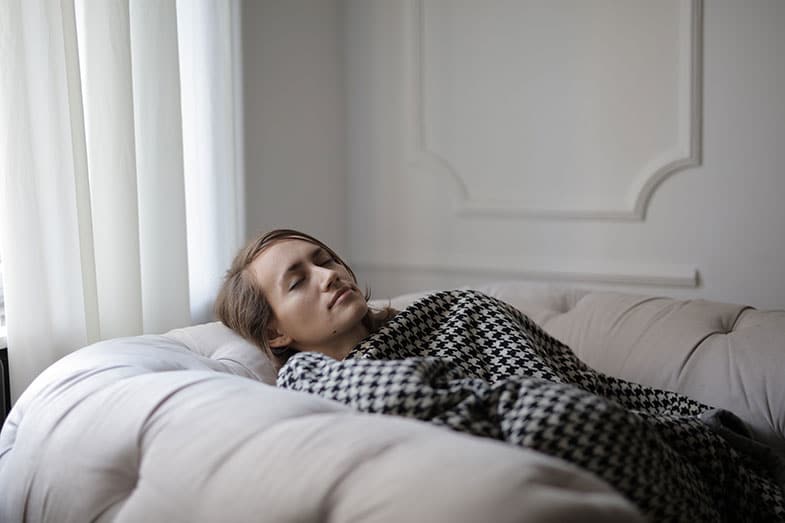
point(120, 174)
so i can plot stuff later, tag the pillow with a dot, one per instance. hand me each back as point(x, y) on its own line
point(217, 341)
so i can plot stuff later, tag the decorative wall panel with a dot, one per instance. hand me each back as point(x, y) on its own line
point(557, 109)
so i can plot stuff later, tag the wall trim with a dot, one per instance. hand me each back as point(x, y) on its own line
point(623, 274)
point(471, 206)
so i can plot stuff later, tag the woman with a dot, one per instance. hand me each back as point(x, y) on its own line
point(472, 363)
point(288, 292)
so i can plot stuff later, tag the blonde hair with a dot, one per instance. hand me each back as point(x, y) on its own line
point(242, 306)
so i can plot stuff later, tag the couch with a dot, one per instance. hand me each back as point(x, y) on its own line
point(188, 426)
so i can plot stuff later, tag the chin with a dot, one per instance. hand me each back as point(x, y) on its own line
point(360, 312)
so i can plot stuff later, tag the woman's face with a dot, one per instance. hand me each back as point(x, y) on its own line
point(315, 302)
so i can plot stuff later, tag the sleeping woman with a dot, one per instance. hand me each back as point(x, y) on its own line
point(472, 363)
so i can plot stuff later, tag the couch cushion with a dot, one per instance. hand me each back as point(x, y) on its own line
point(724, 355)
point(218, 342)
point(143, 429)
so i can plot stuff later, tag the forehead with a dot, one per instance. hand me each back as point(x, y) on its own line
point(273, 261)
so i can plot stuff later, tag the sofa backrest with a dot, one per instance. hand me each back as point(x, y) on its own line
point(724, 355)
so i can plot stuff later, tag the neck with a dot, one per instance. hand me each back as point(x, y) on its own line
point(342, 344)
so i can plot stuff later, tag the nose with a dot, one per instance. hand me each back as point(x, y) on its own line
point(329, 277)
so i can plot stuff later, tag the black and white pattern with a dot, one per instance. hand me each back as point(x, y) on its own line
point(475, 364)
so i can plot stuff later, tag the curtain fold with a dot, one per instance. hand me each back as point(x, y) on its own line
point(114, 220)
point(159, 156)
point(209, 75)
point(104, 44)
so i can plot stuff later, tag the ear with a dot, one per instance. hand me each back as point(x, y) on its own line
point(276, 339)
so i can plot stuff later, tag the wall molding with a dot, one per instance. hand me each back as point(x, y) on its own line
point(619, 274)
point(468, 205)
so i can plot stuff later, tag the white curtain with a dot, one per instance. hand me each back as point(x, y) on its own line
point(120, 180)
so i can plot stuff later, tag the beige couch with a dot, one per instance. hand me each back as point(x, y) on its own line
point(725, 355)
point(185, 427)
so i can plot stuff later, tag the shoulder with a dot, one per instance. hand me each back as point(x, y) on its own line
point(463, 295)
point(474, 300)
point(456, 298)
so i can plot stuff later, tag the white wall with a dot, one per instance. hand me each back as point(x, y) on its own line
point(511, 153)
point(495, 140)
point(295, 127)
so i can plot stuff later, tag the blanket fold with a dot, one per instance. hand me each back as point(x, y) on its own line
point(475, 364)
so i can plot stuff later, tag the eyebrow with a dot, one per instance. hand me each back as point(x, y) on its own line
point(296, 266)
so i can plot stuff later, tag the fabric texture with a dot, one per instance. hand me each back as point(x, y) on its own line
point(472, 363)
point(118, 170)
point(146, 429)
point(727, 355)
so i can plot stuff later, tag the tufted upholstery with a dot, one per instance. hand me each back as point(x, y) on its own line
point(725, 355)
point(183, 427)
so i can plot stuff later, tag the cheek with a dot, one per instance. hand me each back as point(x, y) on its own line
point(359, 311)
point(294, 314)
point(348, 278)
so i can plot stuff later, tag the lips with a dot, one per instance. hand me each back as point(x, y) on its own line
point(340, 292)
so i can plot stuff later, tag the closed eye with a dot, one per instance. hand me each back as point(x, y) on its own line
point(295, 283)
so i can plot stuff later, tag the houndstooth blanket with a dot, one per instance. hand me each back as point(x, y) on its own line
point(475, 364)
